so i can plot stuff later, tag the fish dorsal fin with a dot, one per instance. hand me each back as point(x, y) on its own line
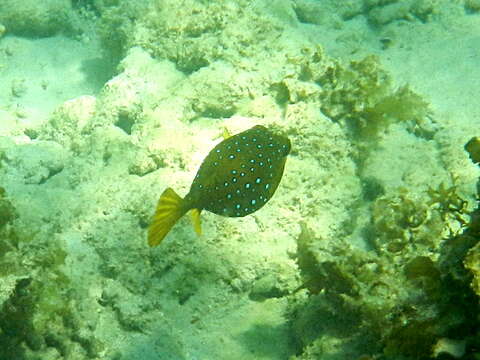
point(225, 133)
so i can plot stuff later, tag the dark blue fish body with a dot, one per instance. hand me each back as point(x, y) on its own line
point(240, 174)
point(237, 178)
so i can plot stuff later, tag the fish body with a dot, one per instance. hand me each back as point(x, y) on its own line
point(237, 178)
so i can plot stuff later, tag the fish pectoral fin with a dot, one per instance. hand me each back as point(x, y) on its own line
point(169, 210)
point(197, 226)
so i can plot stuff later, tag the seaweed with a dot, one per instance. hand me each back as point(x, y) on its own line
point(7, 211)
point(361, 96)
point(408, 297)
point(448, 202)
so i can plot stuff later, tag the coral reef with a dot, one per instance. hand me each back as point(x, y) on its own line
point(188, 41)
point(382, 13)
point(117, 24)
point(378, 12)
point(38, 318)
point(36, 19)
point(67, 121)
point(49, 160)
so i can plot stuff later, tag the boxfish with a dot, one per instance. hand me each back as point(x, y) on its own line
point(237, 178)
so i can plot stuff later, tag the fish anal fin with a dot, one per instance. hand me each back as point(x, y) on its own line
point(197, 226)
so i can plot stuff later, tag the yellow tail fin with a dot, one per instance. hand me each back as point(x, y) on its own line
point(169, 210)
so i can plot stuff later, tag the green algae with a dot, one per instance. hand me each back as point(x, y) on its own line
point(404, 297)
point(361, 96)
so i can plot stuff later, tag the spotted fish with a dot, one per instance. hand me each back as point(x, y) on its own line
point(237, 178)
